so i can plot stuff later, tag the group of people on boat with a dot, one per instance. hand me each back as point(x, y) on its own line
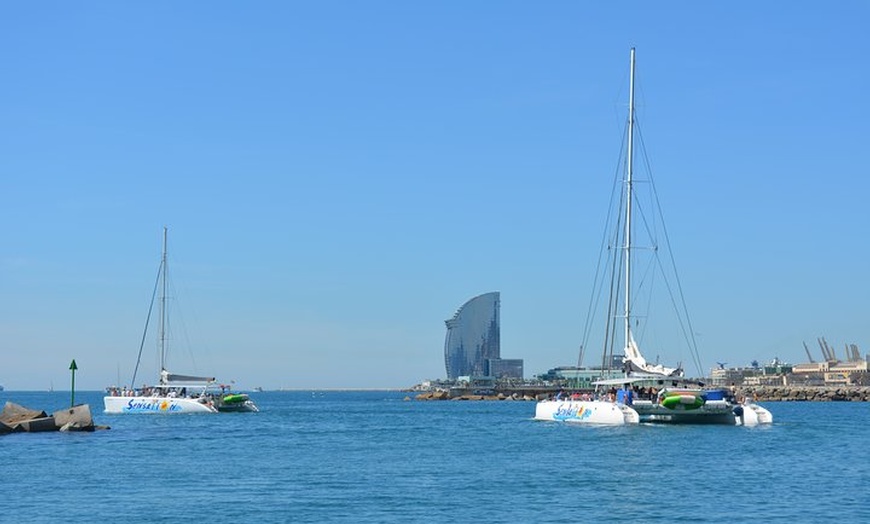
point(146, 391)
point(624, 395)
point(563, 395)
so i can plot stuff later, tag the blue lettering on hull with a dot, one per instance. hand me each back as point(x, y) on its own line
point(140, 406)
point(572, 412)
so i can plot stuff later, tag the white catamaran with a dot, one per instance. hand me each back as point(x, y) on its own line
point(647, 392)
point(173, 393)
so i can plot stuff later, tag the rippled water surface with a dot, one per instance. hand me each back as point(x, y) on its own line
point(373, 457)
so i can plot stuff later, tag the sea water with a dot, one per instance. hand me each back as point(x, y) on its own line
point(361, 457)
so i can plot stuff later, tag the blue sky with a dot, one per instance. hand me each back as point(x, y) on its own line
point(339, 177)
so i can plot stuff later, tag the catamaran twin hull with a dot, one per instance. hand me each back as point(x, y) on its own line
point(720, 412)
point(603, 412)
point(116, 405)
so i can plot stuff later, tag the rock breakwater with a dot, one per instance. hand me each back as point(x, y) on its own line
point(15, 418)
point(443, 395)
point(806, 393)
point(758, 393)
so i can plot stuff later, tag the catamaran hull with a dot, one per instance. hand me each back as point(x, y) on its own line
point(753, 415)
point(118, 405)
point(711, 412)
point(586, 412)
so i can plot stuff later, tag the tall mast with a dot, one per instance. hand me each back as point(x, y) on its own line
point(163, 305)
point(628, 204)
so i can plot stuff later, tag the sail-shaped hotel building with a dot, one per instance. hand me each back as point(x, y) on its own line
point(473, 337)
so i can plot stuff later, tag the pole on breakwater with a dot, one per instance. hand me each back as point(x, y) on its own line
point(73, 368)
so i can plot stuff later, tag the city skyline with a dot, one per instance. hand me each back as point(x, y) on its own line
point(337, 177)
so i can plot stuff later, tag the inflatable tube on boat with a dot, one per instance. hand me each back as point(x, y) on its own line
point(235, 398)
point(683, 401)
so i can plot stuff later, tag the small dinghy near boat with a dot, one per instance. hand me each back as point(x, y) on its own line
point(236, 402)
point(235, 398)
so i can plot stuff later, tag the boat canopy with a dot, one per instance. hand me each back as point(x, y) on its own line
point(634, 379)
point(623, 380)
point(167, 378)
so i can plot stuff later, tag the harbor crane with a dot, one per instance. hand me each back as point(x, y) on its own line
point(827, 351)
point(809, 356)
point(856, 355)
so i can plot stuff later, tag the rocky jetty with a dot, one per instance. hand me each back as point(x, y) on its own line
point(807, 393)
point(15, 418)
point(758, 393)
point(443, 395)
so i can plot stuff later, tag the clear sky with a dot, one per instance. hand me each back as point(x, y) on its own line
point(339, 176)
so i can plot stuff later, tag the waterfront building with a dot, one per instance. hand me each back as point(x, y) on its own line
point(778, 367)
point(831, 371)
point(473, 337)
point(845, 373)
point(580, 377)
point(504, 367)
point(771, 374)
point(723, 376)
point(806, 368)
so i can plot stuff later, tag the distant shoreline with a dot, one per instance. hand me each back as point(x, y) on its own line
point(247, 390)
point(336, 389)
point(757, 393)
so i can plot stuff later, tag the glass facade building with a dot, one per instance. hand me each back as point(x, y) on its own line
point(504, 367)
point(473, 337)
